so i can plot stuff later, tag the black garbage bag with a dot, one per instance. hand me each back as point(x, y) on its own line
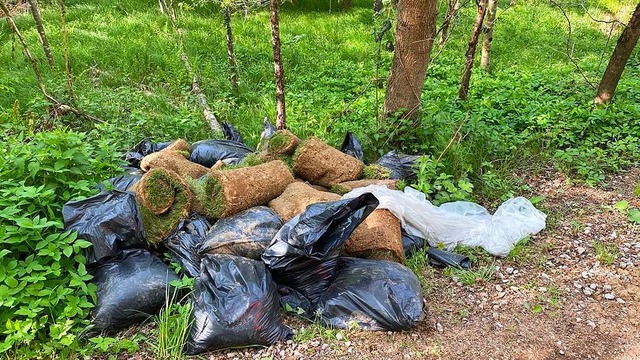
point(208, 152)
point(400, 165)
point(376, 294)
point(351, 146)
point(441, 258)
point(231, 133)
point(131, 287)
point(411, 244)
point(110, 221)
point(234, 304)
point(185, 242)
point(121, 182)
point(245, 234)
point(142, 149)
point(303, 255)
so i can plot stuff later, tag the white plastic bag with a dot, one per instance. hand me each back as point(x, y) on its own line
point(460, 222)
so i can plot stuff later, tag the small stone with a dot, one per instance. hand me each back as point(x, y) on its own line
point(347, 343)
point(593, 286)
point(587, 291)
point(499, 288)
point(289, 342)
point(607, 288)
point(620, 301)
point(577, 285)
point(561, 352)
point(439, 327)
point(339, 336)
point(501, 294)
point(542, 289)
point(509, 270)
point(282, 353)
point(581, 250)
point(324, 346)
point(315, 343)
point(609, 296)
point(591, 323)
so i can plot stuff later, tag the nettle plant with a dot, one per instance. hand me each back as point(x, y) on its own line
point(439, 186)
point(45, 293)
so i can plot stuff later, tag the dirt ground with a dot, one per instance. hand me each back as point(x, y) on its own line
point(556, 300)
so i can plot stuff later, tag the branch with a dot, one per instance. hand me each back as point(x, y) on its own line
point(568, 53)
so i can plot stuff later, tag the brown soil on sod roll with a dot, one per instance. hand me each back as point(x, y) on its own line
point(324, 165)
point(390, 184)
point(317, 187)
point(164, 200)
point(180, 145)
point(231, 191)
point(378, 237)
point(174, 161)
point(295, 199)
point(283, 142)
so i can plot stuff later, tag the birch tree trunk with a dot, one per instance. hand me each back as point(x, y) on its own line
point(281, 114)
point(471, 51)
point(43, 36)
point(415, 30)
point(621, 53)
point(489, 22)
point(233, 66)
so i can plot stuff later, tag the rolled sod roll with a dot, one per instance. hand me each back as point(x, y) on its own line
point(324, 165)
point(378, 237)
point(295, 199)
point(174, 158)
point(283, 142)
point(164, 200)
point(347, 186)
point(223, 193)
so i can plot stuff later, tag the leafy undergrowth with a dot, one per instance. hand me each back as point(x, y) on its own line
point(531, 110)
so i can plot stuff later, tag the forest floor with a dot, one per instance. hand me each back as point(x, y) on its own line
point(572, 292)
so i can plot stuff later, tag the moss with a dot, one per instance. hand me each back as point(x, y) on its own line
point(377, 172)
point(339, 189)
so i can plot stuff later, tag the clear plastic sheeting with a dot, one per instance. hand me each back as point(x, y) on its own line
point(460, 222)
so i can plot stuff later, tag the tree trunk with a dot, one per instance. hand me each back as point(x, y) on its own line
point(233, 66)
point(43, 36)
point(452, 10)
point(65, 48)
point(346, 4)
point(378, 6)
point(281, 114)
point(490, 20)
point(415, 30)
point(471, 51)
point(624, 47)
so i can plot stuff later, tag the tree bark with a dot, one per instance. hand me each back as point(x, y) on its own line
point(233, 66)
point(281, 114)
point(452, 10)
point(346, 4)
point(621, 53)
point(377, 6)
point(471, 51)
point(490, 20)
point(65, 48)
point(415, 31)
point(43, 36)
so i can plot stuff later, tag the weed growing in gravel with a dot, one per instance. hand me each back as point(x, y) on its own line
point(471, 277)
point(317, 330)
point(417, 263)
point(605, 253)
point(173, 322)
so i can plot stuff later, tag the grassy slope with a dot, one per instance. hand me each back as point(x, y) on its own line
point(127, 70)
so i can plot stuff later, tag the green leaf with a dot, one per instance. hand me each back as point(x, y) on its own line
point(68, 251)
point(621, 205)
point(634, 216)
point(33, 168)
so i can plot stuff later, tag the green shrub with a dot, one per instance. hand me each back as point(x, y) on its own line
point(439, 186)
point(44, 291)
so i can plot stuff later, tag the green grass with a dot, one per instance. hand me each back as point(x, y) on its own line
point(605, 253)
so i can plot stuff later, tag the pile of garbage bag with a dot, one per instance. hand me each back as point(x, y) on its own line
point(296, 224)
